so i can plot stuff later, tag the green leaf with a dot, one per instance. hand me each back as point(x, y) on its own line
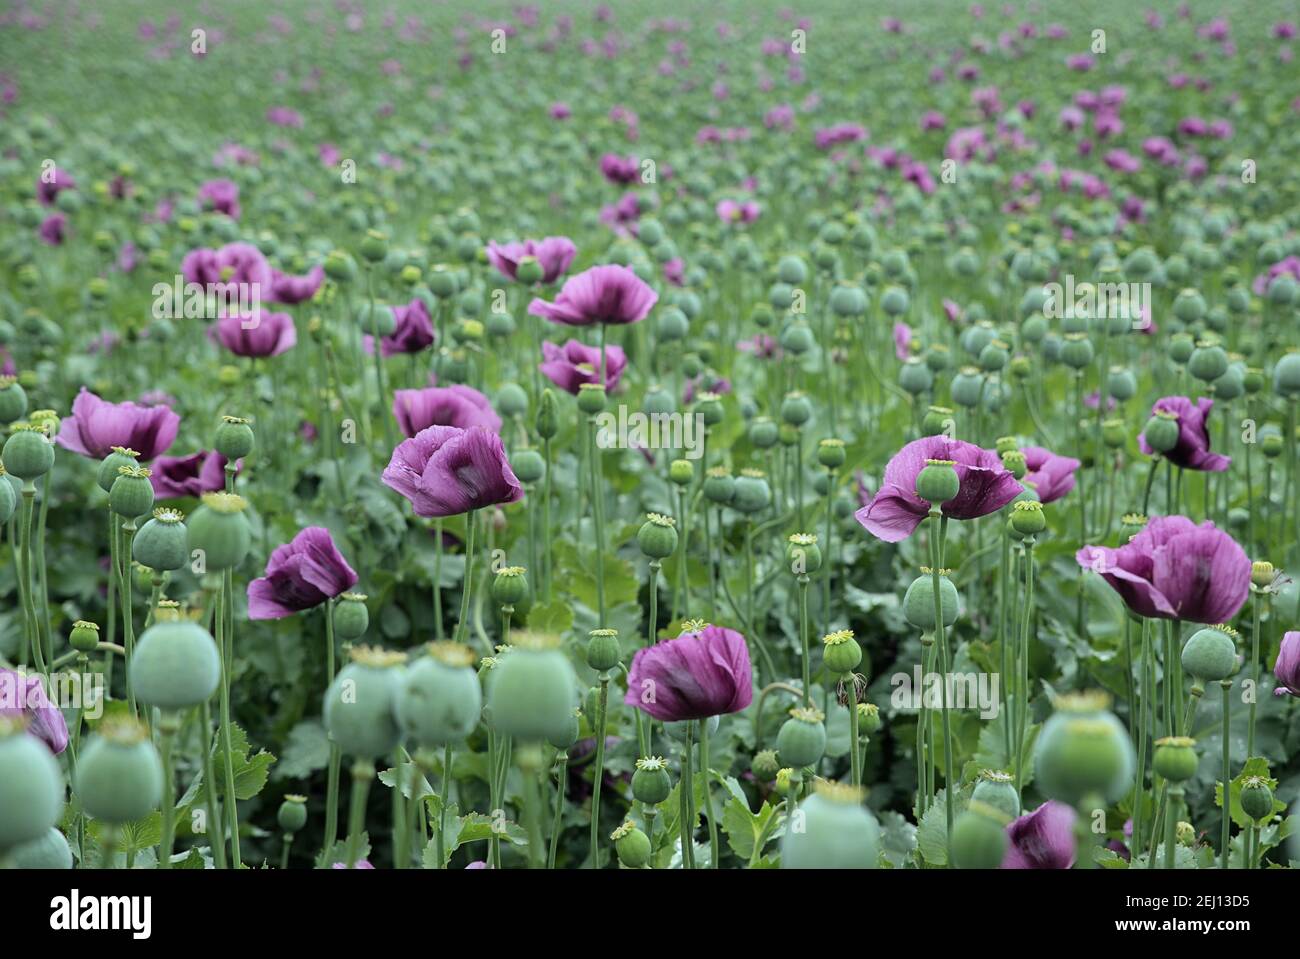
point(306, 750)
point(897, 838)
point(554, 617)
point(1256, 766)
point(412, 780)
point(250, 772)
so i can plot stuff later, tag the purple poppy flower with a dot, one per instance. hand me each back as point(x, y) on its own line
point(609, 294)
point(1192, 451)
point(731, 211)
point(1287, 667)
point(1050, 475)
point(574, 363)
point(457, 405)
point(176, 476)
point(553, 253)
point(289, 289)
point(1175, 569)
point(617, 169)
point(695, 676)
point(902, 341)
point(478, 864)
point(49, 187)
point(221, 196)
point(445, 471)
point(896, 510)
point(224, 271)
point(260, 334)
point(53, 229)
point(412, 331)
point(96, 426)
point(1042, 839)
point(23, 696)
point(300, 575)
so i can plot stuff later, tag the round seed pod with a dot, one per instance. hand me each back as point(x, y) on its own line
point(1027, 517)
point(1286, 375)
point(528, 465)
point(918, 602)
point(234, 439)
point(220, 528)
point(837, 832)
point(13, 400)
point(802, 554)
point(1161, 432)
point(1084, 752)
point(752, 493)
point(439, 699)
point(1175, 758)
point(509, 586)
point(50, 851)
point(351, 617)
point(719, 485)
point(533, 690)
point(27, 453)
point(292, 814)
point(162, 543)
point(801, 740)
point(938, 481)
point(651, 783)
point(119, 774)
point(657, 536)
point(111, 465)
point(31, 786)
point(998, 790)
point(131, 494)
point(603, 649)
point(175, 664)
point(979, 837)
point(359, 703)
point(1256, 798)
point(1210, 654)
point(631, 845)
point(841, 653)
point(8, 498)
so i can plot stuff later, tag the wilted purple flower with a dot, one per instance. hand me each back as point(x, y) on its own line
point(457, 405)
point(574, 363)
point(176, 476)
point(1192, 451)
point(1287, 667)
point(96, 426)
point(1042, 839)
point(444, 471)
point(300, 575)
point(695, 676)
point(53, 229)
point(609, 294)
point(553, 254)
point(289, 289)
point(412, 331)
point(1050, 475)
point(221, 196)
point(261, 334)
point(23, 696)
point(1175, 569)
point(896, 510)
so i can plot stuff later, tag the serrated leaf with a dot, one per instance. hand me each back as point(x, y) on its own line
point(306, 750)
point(554, 617)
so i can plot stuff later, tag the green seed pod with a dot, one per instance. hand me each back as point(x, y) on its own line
point(1208, 362)
point(918, 601)
point(936, 420)
point(359, 704)
point(84, 637)
point(651, 783)
point(840, 652)
point(1121, 383)
point(548, 421)
point(801, 740)
point(234, 438)
point(132, 493)
point(510, 586)
point(765, 766)
point(528, 465)
point(938, 357)
point(672, 324)
point(848, 300)
point(1077, 351)
point(915, 377)
point(1014, 462)
point(938, 481)
point(1161, 432)
point(681, 472)
point(374, 246)
point(292, 815)
point(1270, 444)
point(1181, 347)
point(119, 774)
point(752, 492)
point(512, 400)
point(709, 406)
point(532, 693)
point(998, 790)
point(591, 398)
point(631, 845)
point(529, 271)
point(565, 742)
point(895, 301)
point(220, 529)
point(351, 617)
point(1084, 752)
point(439, 699)
point(1256, 798)
point(796, 409)
point(763, 432)
point(830, 453)
point(1175, 758)
point(50, 851)
point(657, 536)
point(802, 554)
point(175, 665)
point(1210, 654)
point(27, 453)
point(968, 387)
point(719, 485)
point(979, 837)
point(8, 497)
point(31, 786)
point(797, 338)
point(1189, 306)
point(1286, 375)
point(1027, 517)
point(836, 832)
point(162, 543)
point(604, 651)
point(1114, 433)
point(13, 400)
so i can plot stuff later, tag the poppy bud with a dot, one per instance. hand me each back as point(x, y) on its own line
point(438, 698)
point(27, 453)
point(841, 653)
point(765, 766)
point(162, 543)
point(1161, 432)
point(351, 617)
point(1210, 654)
point(1083, 752)
point(292, 815)
point(175, 665)
point(119, 774)
point(1261, 574)
point(938, 481)
point(836, 832)
point(631, 845)
point(234, 438)
point(359, 704)
point(603, 649)
point(801, 740)
point(220, 528)
point(657, 537)
point(1175, 758)
point(13, 400)
point(918, 601)
point(979, 837)
point(651, 783)
point(752, 492)
point(31, 786)
point(532, 693)
point(547, 424)
point(763, 432)
point(528, 465)
point(719, 485)
point(1256, 798)
point(1114, 433)
point(998, 790)
point(131, 494)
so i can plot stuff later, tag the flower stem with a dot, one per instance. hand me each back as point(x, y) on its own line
point(708, 794)
point(462, 626)
point(561, 776)
point(1227, 771)
point(437, 579)
point(937, 531)
point(598, 780)
point(362, 772)
point(688, 799)
point(167, 729)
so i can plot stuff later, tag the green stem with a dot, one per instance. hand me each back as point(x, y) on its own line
point(561, 777)
point(688, 799)
point(167, 729)
point(462, 627)
point(708, 794)
point(937, 530)
point(362, 772)
point(217, 845)
point(598, 781)
point(226, 644)
point(1227, 772)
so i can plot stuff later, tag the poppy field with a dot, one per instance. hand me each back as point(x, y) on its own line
point(651, 436)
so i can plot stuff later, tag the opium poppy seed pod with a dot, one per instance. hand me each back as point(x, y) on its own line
point(801, 741)
point(119, 773)
point(719, 485)
point(979, 837)
point(838, 832)
point(27, 453)
point(1175, 758)
point(8, 498)
point(657, 536)
point(509, 586)
point(841, 653)
point(997, 789)
point(802, 554)
point(439, 699)
point(111, 464)
point(1083, 752)
point(752, 492)
point(162, 543)
point(918, 600)
point(533, 690)
point(220, 529)
point(603, 649)
point(830, 453)
point(351, 617)
point(50, 851)
point(359, 703)
point(175, 664)
point(13, 399)
point(1256, 798)
point(131, 494)
point(631, 845)
point(763, 432)
point(681, 472)
point(1210, 654)
point(292, 814)
point(234, 438)
point(31, 786)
